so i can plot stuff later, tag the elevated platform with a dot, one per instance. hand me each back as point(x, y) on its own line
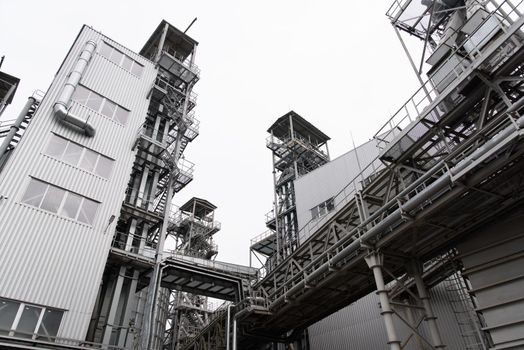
point(204, 277)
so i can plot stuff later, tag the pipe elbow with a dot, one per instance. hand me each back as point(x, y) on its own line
point(62, 114)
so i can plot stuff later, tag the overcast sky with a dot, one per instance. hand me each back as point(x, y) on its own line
point(336, 63)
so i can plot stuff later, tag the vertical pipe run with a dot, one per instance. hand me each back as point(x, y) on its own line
point(275, 200)
point(16, 126)
point(374, 261)
point(228, 325)
point(234, 333)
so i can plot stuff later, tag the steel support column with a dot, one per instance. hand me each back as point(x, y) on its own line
point(415, 269)
point(375, 261)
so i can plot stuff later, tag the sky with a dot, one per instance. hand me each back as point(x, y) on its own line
point(337, 63)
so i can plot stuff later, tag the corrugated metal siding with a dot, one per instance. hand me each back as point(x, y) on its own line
point(360, 326)
point(47, 259)
point(494, 263)
point(326, 181)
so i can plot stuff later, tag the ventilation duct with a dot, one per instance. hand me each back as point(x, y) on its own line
point(60, 108)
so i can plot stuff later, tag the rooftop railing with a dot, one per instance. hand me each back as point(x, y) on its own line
point(417, 106)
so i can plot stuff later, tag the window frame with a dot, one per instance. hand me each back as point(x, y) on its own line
point(134, 62)
point(12, 331)
point(322, 209)
point(102, 104)
point(59, 210)
point(84, 151)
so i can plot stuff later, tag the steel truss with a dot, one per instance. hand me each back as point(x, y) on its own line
point(192, 228)
point(451, 159)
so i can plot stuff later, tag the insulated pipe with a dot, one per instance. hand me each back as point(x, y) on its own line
point(435, 187)
point(60, 107)
point(234, 333)
point(16, 126)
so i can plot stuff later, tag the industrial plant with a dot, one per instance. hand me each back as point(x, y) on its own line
point(411, 240)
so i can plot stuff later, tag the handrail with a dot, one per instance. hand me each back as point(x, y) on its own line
point(346, 194)
point(193, 68)
point(416, 105)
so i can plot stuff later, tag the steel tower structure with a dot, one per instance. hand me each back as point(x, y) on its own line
point(193, 227)
point(297, 148)
point(450, 163)
point(159, 171)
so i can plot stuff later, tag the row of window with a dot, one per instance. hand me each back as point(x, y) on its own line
point(59, 201)
point(77, 155)
point(121, 59)
point(29, 321)
point(322, 209)
point(100, 104)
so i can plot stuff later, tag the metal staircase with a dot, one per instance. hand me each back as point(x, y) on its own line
point(8, 126)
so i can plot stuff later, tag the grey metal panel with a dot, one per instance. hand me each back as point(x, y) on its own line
point(51, 260)
point(360, 326)
point(326, 181)
point(494, 263)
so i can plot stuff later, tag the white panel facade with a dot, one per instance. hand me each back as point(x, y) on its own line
point(360, 326)
point(325, 182)
point(48, 259)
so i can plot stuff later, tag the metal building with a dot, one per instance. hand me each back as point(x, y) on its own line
point(86, 194)
point(426, 216)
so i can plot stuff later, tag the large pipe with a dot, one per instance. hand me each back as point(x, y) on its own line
point(420, 198)
point(60, 107)
point(16, 125)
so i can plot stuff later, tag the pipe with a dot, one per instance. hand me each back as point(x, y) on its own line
point(435, 187)
point(60, 108)
point(234, 333)
point(228, 324)
point(16, 125)
point(375, 262)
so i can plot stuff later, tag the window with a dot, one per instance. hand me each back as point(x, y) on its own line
point(322, 209)
point(74, 154)
point(101, 104)
point(59, 201)
point(121, 59)
point(29, 321)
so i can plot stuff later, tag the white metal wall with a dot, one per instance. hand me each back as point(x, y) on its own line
point(360, 326)
point(51, 260)
point(326, 181)
point(494, 263)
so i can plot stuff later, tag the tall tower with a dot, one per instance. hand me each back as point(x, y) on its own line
point(193, 228)
point(297, 148)
point(85, 196)
point(159, 170)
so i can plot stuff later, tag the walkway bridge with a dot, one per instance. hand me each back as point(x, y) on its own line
point(450, 161)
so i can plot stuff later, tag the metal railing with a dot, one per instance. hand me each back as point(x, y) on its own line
point(127, 242)
point(416, 107)
point(53, 342)
point(394, 204)
point(261, 237)
point(186, 63)
point(179, 217)
point(212, 264)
